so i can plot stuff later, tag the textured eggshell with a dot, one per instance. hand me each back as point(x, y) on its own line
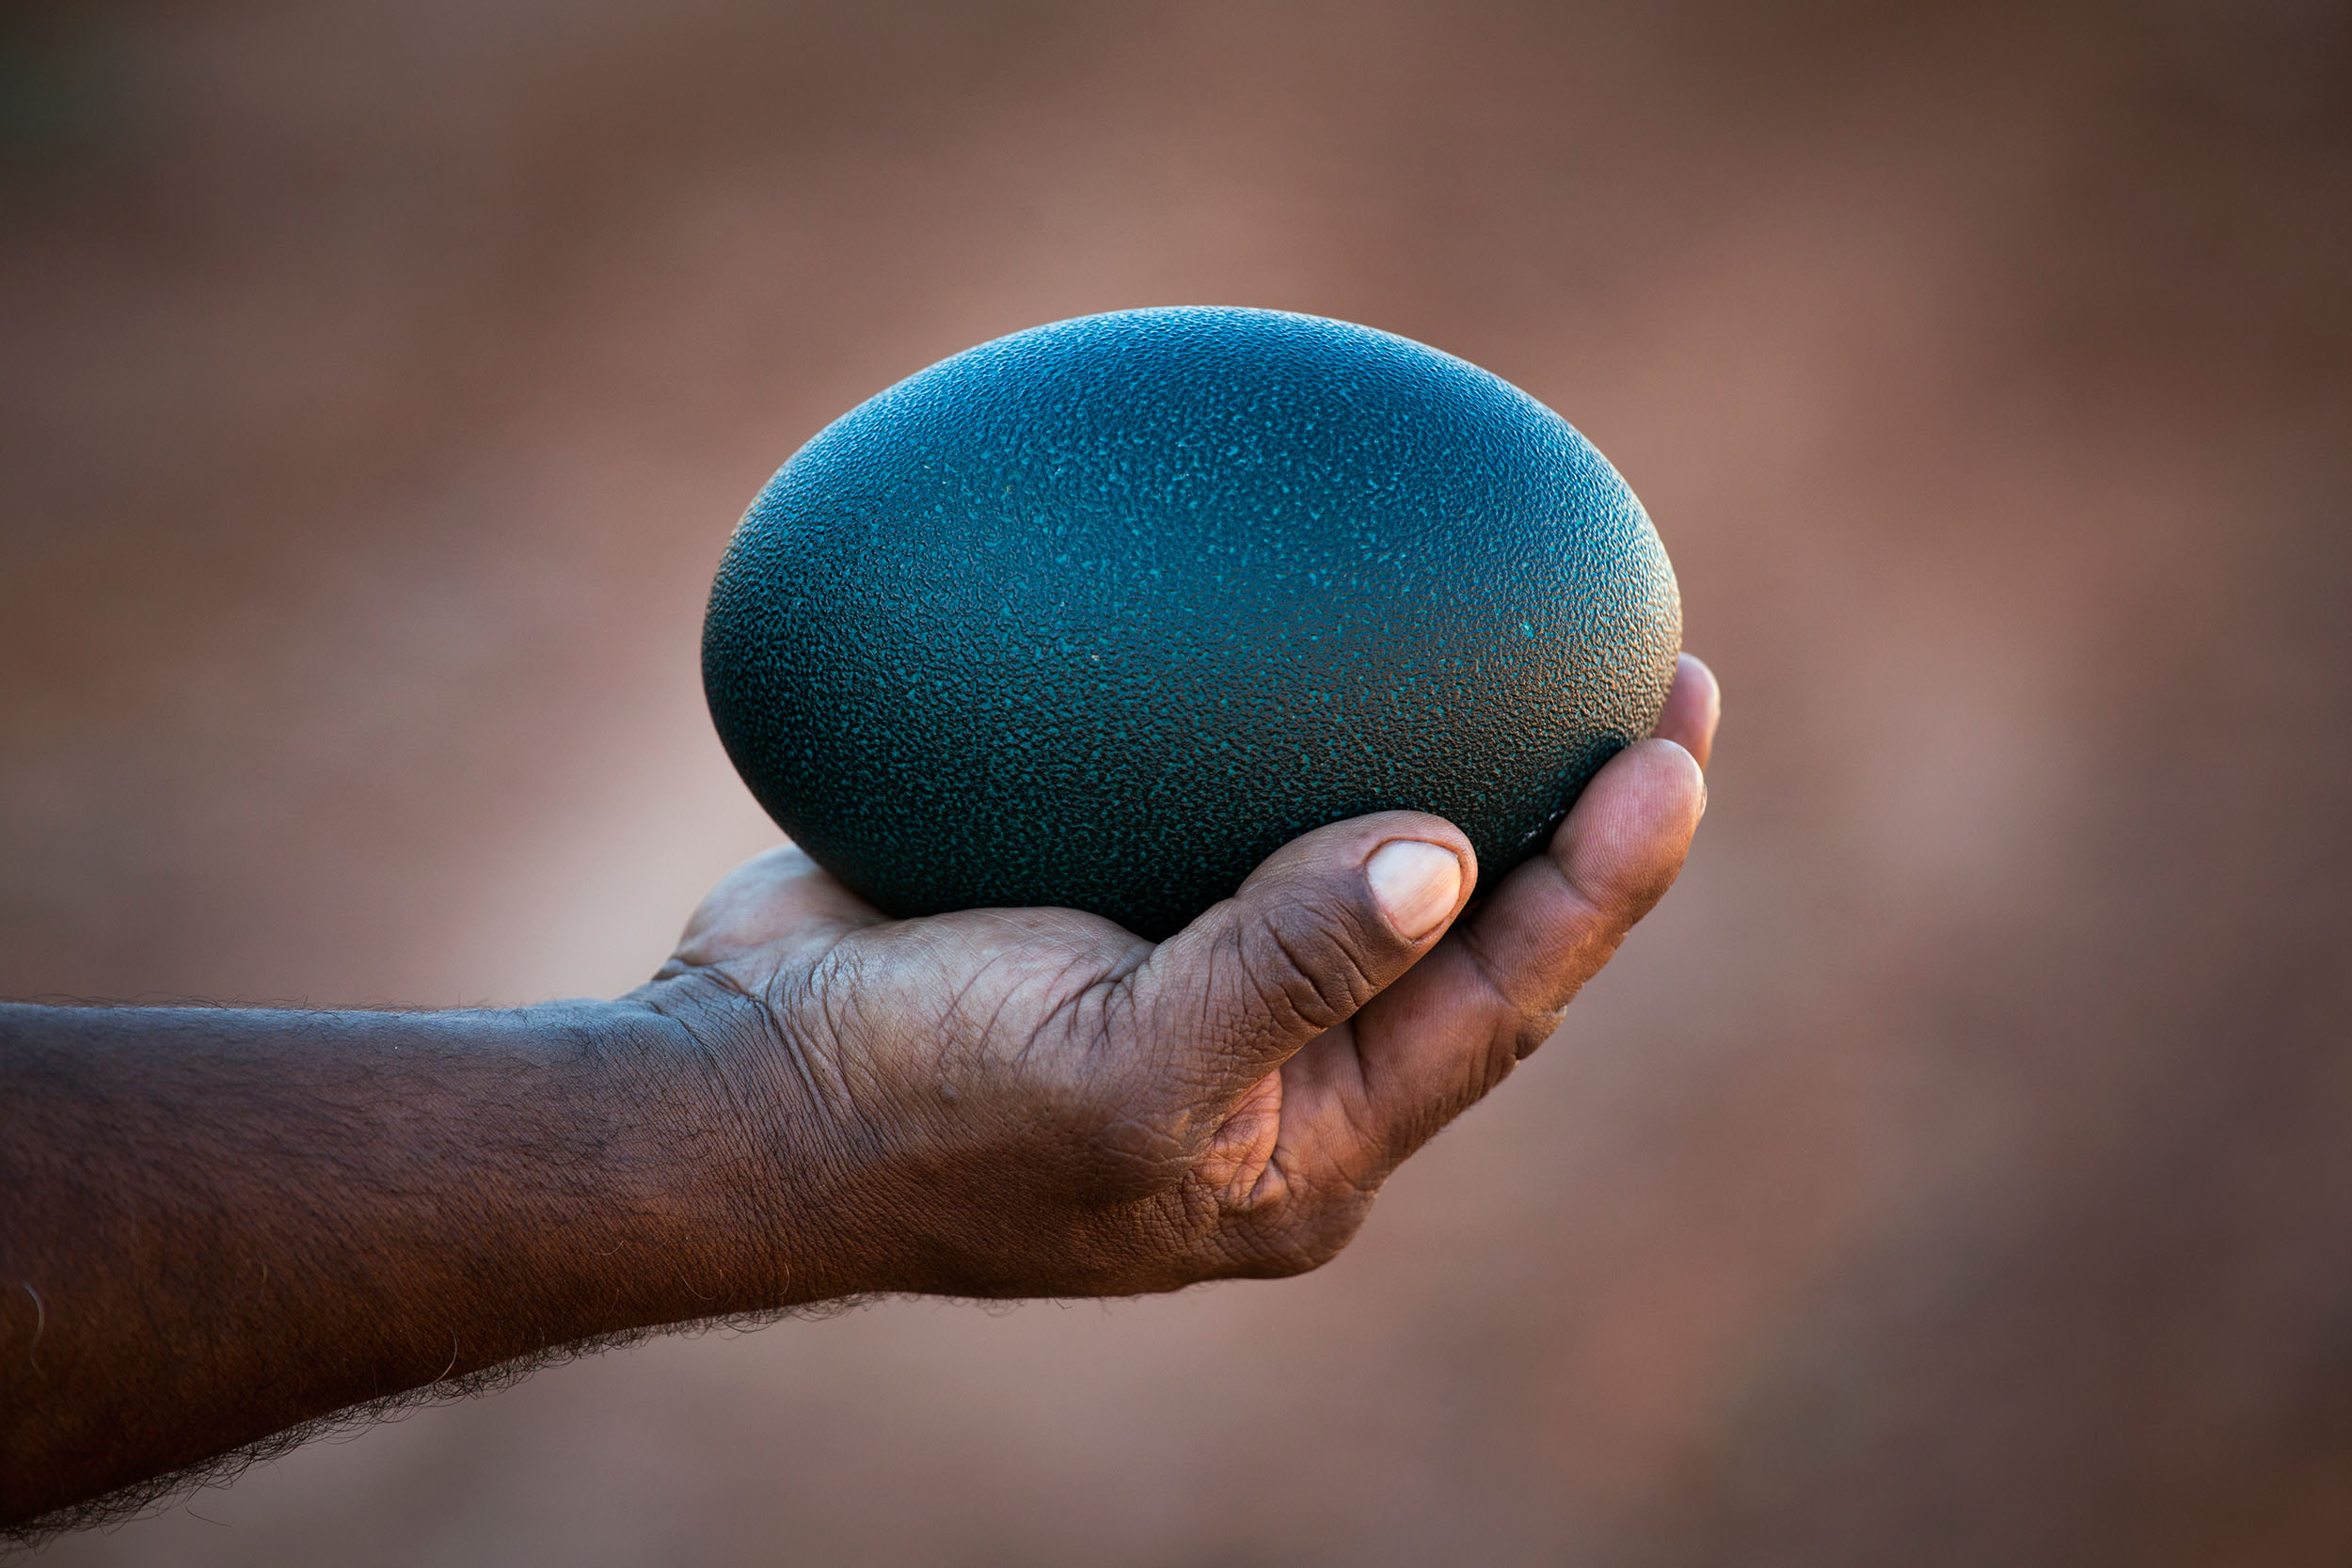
point(1102, 613)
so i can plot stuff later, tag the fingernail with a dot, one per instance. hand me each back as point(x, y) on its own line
point(1416, 885)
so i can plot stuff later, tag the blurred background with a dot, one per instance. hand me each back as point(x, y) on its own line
point(1957, 1170)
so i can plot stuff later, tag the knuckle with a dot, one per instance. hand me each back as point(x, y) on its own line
point(1528, 1007)
point(1304, 967)
point(1298, 1232)
point(1534, 1029)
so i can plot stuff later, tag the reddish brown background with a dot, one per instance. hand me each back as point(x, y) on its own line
point(1958, 1168)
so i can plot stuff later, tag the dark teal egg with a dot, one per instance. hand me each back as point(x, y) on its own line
point(1102, 613)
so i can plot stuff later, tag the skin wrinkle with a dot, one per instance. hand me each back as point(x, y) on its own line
point(774, 1008)
point(1156, 1157)
point(710, 1056)
point(1206, 1015)
point(761, 1219)
point(1242, 1143)
point(831, 985)
point(1278, 990)
point(1100, 1042)
point(1358, 1132)
point(1342, 979)
point(1124, 994)
point(1006, 995)
point(1512, 1016)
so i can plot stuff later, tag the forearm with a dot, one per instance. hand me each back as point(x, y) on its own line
point(217, 1224)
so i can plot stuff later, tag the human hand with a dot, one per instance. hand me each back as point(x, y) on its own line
point(1014, 1103)
point(810, 1101)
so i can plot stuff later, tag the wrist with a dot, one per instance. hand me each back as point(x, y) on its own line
point(748, 1188)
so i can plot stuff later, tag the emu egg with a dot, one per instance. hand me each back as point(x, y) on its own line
point(1100, 614)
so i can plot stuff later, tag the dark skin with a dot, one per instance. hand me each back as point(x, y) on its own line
point(218, 1225)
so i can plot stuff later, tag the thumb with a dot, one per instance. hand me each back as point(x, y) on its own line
point(1316, 932)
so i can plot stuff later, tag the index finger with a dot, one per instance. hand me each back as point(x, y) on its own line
point(1557, 920)
point(1439, 1038)
point(1693, 707)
